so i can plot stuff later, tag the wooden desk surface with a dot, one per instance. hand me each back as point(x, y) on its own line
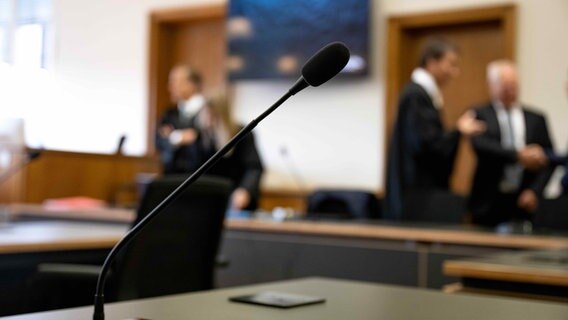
point(345, 300)
point(539, 267)
point(461, 235)
point(443, 234)
point(19, 210)
point(37, 236)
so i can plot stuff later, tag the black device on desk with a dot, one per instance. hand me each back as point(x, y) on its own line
point(278, 299)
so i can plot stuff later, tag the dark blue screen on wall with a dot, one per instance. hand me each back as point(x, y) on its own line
point(273, 38)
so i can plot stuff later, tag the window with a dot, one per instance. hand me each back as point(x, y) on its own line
point(24, 28)
point(24, 40)
point(5, 19)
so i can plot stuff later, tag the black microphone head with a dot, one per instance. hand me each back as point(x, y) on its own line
point(325, 64)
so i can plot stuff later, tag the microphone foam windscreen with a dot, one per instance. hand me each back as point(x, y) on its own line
point(325, 64)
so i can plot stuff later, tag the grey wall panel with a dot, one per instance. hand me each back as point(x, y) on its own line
point(259, 258)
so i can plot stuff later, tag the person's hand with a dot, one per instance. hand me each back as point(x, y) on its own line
point(532, 157)
point(183, 136)
point(188, 136)
point(469, 126)
point(240, 199)
point(528, 200)
point(165, 130)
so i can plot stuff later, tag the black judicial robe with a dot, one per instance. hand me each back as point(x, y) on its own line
point(176, 159)
point(421, 153)
point(242, 165)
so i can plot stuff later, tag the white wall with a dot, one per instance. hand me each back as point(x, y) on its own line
point(100, 65)
point(333, 134)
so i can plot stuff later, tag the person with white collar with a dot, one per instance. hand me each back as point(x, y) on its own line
point(422, 151)
point(512, 170)
point(177, 127)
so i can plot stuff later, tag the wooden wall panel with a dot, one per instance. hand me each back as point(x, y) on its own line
point(194, 36)
point(107, 177)
point(201, 44)
point(111, 178)
point(11, 186)
point(271, 199)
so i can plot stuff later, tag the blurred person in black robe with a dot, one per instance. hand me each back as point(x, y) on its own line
point(176, 129)
point(242, 165)
point(422, 152)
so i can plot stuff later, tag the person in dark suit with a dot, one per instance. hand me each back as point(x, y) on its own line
point(422, 151)
point(176, 129)
point(242, 165)
point(512, 167)
point(560, 160)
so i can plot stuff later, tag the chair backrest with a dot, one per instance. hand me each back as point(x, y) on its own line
point(438, 206)
point(343, 204)
point(552, 214)
point(177, 250)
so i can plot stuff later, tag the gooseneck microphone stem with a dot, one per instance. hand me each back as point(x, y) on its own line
point(99, 294)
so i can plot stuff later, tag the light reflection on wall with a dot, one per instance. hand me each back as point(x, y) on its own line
point(356, 63)
point(235, 63)
point(288, 64)
point(239, 28)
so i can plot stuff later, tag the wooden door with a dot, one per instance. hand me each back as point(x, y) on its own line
point(482, 35)
point(12, 175)
point(192, 36)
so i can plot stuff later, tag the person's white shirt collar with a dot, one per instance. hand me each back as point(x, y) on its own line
point(499, 105)
point(191, 106)
point(187, 109)
point(424, 79)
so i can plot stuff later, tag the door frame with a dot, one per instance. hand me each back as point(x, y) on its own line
point(399, 25)
point(158, 20)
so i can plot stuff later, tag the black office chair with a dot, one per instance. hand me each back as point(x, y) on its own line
point(552, 214)
point(438, 206)
point(176, 252)
point(343, 204)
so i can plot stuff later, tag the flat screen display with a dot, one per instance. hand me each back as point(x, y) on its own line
point(273, 38)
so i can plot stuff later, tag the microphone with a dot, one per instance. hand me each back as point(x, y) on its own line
point(320, 68)
point(120, 145)
point(293, 170)
point(32, 154)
